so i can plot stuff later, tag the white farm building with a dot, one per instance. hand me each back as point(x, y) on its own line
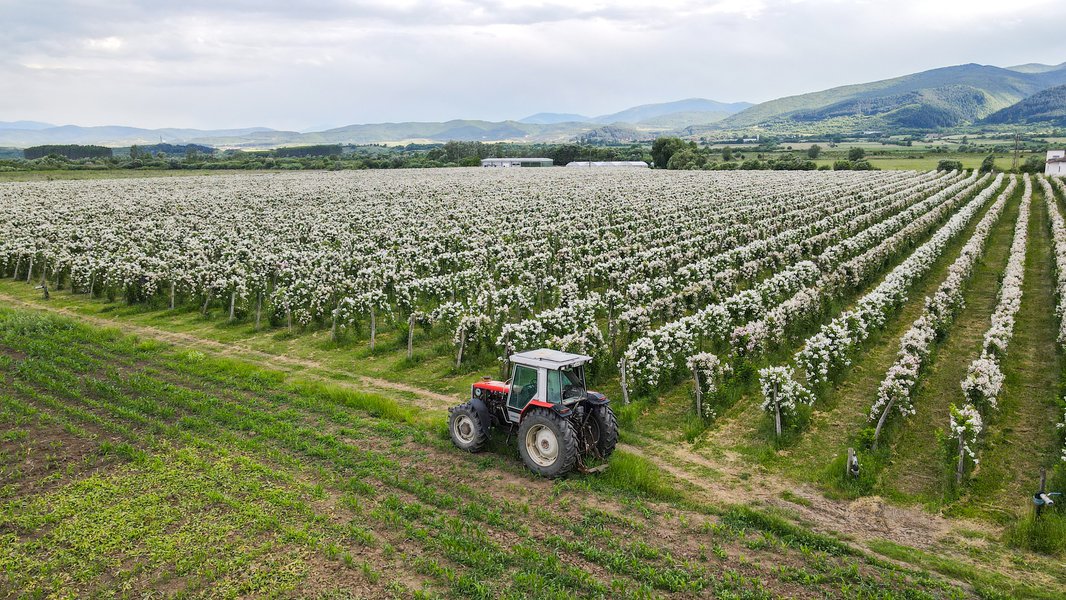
point(639, 164)
point(517, 162)
point(1056, 163)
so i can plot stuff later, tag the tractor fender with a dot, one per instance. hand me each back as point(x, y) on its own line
point(596, 398)
point(482, 411)
point(560, 409)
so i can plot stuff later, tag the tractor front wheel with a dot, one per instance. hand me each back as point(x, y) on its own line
point(547, 443)
point(467, 430)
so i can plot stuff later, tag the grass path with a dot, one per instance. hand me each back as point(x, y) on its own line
point(1021, 438)
point(917, 466)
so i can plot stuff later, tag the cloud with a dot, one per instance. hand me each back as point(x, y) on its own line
point(204, 63)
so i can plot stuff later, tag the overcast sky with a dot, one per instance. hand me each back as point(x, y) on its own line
point(310, 65)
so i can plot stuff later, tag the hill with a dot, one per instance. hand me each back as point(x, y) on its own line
point(680, 113)
point(548, 118)
point(30, 125)
point(115, 135)
point(943, 97)
point(646, 112)
point(1048, 106)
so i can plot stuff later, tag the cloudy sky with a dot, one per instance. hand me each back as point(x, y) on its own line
point(310, 65)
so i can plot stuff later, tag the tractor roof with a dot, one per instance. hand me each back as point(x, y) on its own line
point(549, 359)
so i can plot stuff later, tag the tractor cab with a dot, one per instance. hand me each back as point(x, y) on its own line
point(545, 378)
point(558, 420)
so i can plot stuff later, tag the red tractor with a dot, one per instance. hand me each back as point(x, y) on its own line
point(560, 423)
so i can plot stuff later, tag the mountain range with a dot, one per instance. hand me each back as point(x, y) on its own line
point(944, 97)
point(1047, 108)
point(1024, 95)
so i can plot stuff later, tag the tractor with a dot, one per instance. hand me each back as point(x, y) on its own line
point(560, 424)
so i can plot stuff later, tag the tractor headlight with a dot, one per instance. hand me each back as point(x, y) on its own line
point(477, 392)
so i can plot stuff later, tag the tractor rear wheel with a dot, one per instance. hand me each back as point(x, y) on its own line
point(600, 431)
point(547, 443)
point(465, 426)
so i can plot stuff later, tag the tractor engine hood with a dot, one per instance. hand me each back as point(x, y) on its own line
point(492, 385)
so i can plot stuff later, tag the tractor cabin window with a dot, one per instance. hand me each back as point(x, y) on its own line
point(565, 385)
point(523, 387)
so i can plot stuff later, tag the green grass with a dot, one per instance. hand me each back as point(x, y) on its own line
point(987, 584)
point(170, 469)
point(1046, 534)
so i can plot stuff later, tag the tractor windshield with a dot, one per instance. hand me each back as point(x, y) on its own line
point(566, 384)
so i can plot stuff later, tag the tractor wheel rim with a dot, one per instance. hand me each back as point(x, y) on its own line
point(464, 428)
point(542, 446)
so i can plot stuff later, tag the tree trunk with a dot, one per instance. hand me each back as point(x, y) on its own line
point(207, 301)
point(92, 284)
point(462, 342)
point(410, 336)
point(29, 273)
point(18, 263)
point(44, 281)
point(288, 318)
point(333, 327)
point(881, 421)
point(373, 327)
point(258, 309)
point(232, 303)
point(699, 392)
point(777, 412)
point(625, 388)
point(172, 295)
point(962, 462)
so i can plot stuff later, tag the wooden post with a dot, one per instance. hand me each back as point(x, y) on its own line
point(1043, 489)
point(625, 388)
point(699, 392)
point(962, 461)
point(881, 421)
point(410, 335)
point(777, 412)
point(851, 468)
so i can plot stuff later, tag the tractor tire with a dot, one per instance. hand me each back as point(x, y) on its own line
point(465, 426)
point(601, 431)
point(547, 443)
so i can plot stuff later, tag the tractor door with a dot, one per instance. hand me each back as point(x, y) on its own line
point(524, 387)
